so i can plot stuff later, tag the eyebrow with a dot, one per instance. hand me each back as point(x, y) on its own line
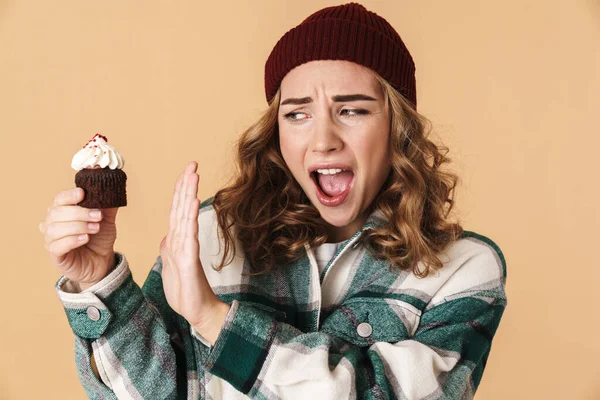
point(337, 99)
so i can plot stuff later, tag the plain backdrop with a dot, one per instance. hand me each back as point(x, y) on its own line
point(512, 88)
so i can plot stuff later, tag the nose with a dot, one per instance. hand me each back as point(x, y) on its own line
point(326, 136)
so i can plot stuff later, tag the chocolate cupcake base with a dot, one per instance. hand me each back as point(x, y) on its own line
point(103, 187)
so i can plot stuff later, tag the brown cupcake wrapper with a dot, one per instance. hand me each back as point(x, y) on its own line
point(103, 187)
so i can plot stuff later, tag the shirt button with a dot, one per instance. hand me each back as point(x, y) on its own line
point(93, 313)
point(364, 329)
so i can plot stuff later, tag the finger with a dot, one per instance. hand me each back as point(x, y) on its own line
point(60, 247)
point(192, 221)
point(175, 203)
point(59, 230)
point(189, 169)
point(108, 214)
point(68, 197)
point(180, 212)
point(182, 206)
point(72, 213)
point(190, 195)
point(175, 240)
point(191, 192)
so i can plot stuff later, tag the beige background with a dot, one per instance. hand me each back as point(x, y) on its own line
point(511, 87)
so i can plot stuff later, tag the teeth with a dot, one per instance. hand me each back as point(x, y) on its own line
point(329, 171)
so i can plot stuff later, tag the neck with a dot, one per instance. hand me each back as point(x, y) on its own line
point(336, 234)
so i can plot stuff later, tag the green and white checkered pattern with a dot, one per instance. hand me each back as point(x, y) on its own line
point(357, 331)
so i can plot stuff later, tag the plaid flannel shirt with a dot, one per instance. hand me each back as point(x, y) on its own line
point(358, 330)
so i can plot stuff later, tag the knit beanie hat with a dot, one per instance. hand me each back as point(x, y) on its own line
point(346, 32)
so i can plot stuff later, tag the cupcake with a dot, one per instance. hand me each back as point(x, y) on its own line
point(100, 174)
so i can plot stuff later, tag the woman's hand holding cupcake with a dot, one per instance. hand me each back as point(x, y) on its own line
point(79, 228)
point(80, 240)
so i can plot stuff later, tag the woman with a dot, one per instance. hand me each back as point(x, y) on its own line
point(326, 269)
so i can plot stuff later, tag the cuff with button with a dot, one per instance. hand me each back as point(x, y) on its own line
point(90, 312)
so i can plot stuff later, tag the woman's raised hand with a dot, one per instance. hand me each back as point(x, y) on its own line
point(186, 288)
point(80, 240)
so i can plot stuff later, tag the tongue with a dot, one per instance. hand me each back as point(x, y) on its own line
point(334, 184)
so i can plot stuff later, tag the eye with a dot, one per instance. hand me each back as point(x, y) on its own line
point(293, 116)
point(355, 112)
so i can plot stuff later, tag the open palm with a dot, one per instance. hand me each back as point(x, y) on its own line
point(186, 288)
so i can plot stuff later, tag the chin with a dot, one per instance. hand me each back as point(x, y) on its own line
point(339, 217)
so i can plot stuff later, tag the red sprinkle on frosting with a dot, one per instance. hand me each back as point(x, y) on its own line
point(97, 135)
point(103, 137)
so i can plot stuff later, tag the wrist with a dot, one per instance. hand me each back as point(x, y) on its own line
point(112, 262)
point(83, 285)
point(211, 328)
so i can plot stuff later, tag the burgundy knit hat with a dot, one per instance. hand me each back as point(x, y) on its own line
point(345, 32)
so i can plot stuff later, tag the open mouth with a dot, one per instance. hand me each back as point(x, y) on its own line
point(332, 185)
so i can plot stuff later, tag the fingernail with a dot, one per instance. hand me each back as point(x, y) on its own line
point(81, 237)
point(93, 226)
point(95, 214)
point(76, 192)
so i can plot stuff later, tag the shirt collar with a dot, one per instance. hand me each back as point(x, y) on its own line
point(375, 220)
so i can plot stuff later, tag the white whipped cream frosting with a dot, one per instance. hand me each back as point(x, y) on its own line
point(97, 153)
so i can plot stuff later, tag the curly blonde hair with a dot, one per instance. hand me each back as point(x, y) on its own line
point(274, 218)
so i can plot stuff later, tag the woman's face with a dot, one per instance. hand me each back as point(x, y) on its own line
point(334, 128)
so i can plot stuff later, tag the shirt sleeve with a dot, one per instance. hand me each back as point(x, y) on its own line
point(129, 338)
point(443, 358)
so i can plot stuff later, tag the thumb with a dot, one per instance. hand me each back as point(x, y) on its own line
point(109, 214)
